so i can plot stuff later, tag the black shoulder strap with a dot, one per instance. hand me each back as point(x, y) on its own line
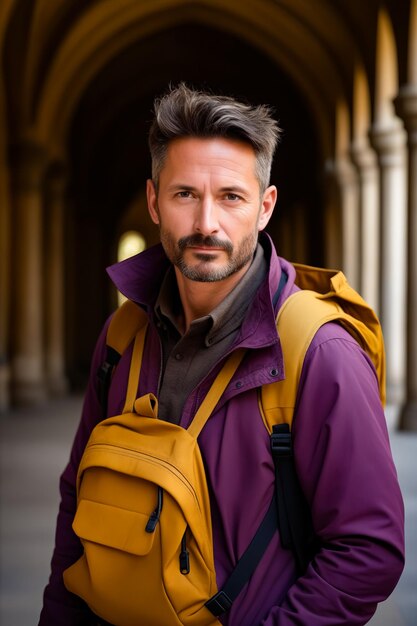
point(104, 375)
point(288, 511)
point(223, 599)
point(127, 320)
point(294, 517)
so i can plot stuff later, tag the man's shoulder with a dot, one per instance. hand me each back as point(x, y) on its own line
point(332, 351)
point(330, 331)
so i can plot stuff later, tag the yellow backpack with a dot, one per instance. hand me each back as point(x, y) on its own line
point(143, 508)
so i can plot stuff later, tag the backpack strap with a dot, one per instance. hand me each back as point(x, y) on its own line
point(134, 371)
point(245, 567)
point(294, 520)
point(296, 330)
point(298, 320)
point(123, 327)
point(215, 392)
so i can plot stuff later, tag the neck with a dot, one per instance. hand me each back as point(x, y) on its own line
point(199, 299)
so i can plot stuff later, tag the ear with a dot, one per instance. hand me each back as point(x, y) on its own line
point(151, 196)
point(267, 207)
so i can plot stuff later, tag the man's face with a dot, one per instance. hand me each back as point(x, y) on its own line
point(208, 207)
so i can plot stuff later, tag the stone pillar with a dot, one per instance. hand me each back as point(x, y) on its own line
point(332, 220)
point(27, 364)
point(389, 143)
point(55, 183)
point(364, 159)
point(348, 190)
point(406, 105)
point(5, 255)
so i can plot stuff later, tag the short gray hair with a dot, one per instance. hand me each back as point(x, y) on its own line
point(184, 112)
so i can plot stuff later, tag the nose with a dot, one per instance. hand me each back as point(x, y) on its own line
point(206, 218)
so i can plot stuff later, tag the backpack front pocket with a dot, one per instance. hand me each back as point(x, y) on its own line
point(114, 527)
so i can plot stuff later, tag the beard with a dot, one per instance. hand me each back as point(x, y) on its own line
point(207, 268)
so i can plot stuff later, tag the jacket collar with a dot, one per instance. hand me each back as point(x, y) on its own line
point(139, 279)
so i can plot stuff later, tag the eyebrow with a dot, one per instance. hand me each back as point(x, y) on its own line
point(227, 189)
point(177, 186)
point(234, 189)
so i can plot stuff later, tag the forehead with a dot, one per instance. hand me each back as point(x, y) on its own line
point(217, 156)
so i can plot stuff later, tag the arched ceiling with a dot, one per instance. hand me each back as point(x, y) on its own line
point(53, 50)
point(69, 43)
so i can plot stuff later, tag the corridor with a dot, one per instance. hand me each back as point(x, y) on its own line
point(34, 446)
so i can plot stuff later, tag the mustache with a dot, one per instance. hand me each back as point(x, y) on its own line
point(208, 241)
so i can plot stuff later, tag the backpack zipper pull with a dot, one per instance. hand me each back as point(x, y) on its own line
point(184, 556)
point(154, 518)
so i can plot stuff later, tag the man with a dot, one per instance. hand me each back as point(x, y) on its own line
point(207, 291)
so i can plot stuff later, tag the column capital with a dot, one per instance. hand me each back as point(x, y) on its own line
point(389, 143)
point(363, 157)
point(406, 108)
point(344, 172)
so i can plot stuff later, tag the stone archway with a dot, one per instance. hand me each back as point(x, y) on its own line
point(106, 29)
point(324, 49)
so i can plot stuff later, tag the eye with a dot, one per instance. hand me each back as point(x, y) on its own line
point(184, 194)
point(233, 197)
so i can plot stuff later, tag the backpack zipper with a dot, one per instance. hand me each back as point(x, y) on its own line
point(154, 518)
point(150, 528)
point(131, 452)
point(184, 555)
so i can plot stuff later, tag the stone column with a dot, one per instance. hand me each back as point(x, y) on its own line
point(348, 189)
point(5, 250)
point(27, 364)
point(332, 218)
point(55, 184)
point(364, 159)
point(406, 105)
point(389, 143)
point(5, 257)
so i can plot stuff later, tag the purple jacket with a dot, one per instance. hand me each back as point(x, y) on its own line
point(342, 455)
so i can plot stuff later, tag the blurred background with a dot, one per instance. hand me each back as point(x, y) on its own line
point(77, 82)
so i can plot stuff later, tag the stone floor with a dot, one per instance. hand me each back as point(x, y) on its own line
point(34, 446)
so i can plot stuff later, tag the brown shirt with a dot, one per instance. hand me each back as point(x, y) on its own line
point(188, 358)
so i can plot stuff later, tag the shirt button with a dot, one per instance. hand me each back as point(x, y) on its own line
point(179, 356)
